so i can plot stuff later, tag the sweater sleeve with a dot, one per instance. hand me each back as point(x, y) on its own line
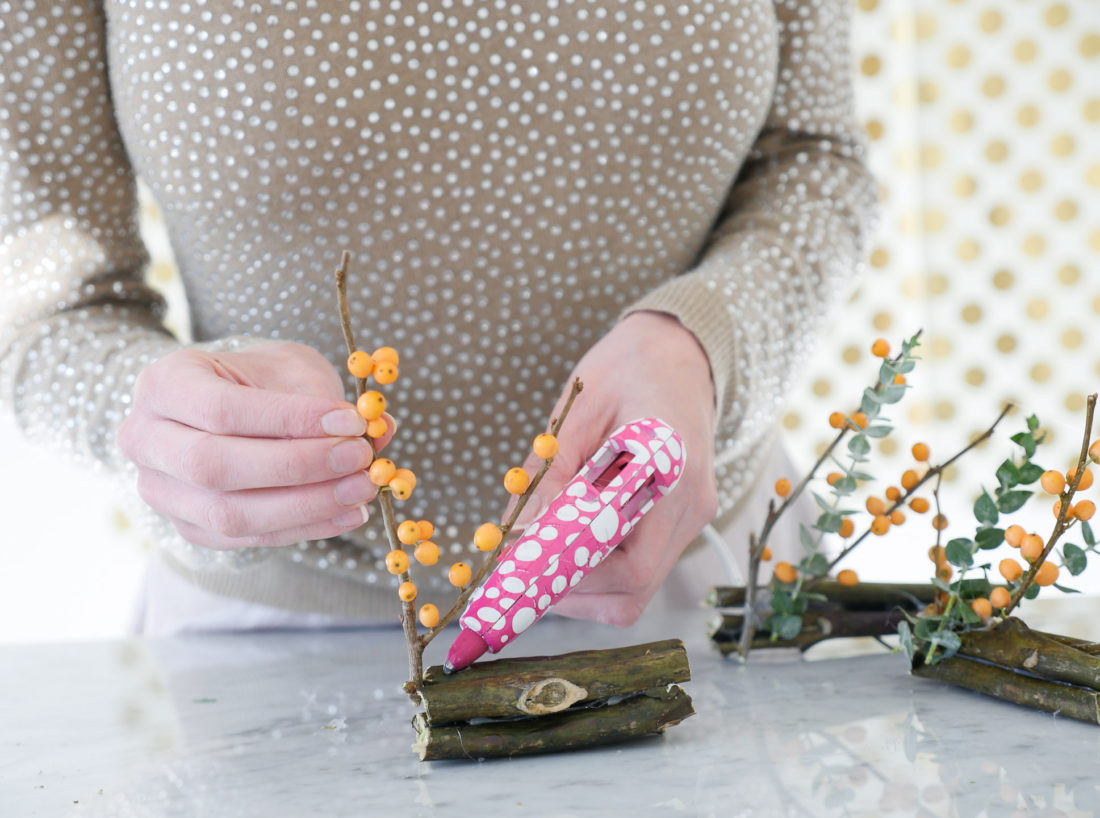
point(791, 235)
point(77, 322)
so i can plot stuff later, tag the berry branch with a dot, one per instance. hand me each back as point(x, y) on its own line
point(394, 483)
point(1061, 526)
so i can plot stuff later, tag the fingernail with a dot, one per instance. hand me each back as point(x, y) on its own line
point(357, 516)
point(343, 423)
point(354, 489)
point(349, 456)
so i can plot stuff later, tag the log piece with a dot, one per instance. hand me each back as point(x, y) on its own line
point(1015, 686)
point(643, 714)
point(1012, 644)
point(864, 596)
point(540, 685)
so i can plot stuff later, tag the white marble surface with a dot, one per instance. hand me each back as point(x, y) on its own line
point(314, 724)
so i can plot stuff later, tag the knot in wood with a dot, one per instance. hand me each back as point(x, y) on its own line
point(549, 696)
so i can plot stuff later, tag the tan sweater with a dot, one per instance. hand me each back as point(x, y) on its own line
point(510, 178)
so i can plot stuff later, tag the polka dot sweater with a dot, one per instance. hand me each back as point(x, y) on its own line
point(510, 178)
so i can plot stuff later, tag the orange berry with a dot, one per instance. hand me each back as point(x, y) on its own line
point(782, 486)
point(766, 554)
point(893, 494)
point(945, 572)
point(408, 532)
point(1084, 510)
point(897, 517)
point(1056, 510)
point(880, 525)
point(982, 608)
point(381, 471)
point(899, 380)
point(939, 522)
point(880, 348)
point(921, 452)
point(833, 477)
point(426, 529)
point(1086, 478)
point(397, 561)
point(1094, 450)
point(386, 354)
point(516, 481)
point(426, 553)
point(938, 554)
point(1010, 569)
point(875, 506)
point(377, 428)
point(406, 474)
point(360, 364)
point(848, 577)
point(1052, 482)
point(1047, 574)
point(1000, 597)
point(909, 479)
point(488, 536)
point(919, 505)
point(837, 420)
point(459, 575)
point(371, 404)
point(545, 446)
point(407, 591)
point(785, 572)
point(400, 487)
point(847, 527)
point(1014, 535)
point(1031, 547)
point(860, 420)
point(429, 615)
point(385, 373)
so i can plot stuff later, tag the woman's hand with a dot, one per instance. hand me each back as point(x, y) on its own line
point(649, 365)
point(249, 448)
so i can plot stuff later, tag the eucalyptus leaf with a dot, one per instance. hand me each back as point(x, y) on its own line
point(1012, 500)
point(1026, 440)
point(892, 394)
point(886, 373)
point(1008, 475)
point(844, 486)
point(786, 626)
point(859, 445)
point(1030, 472)
point(815, 565)
point(1086, 532)
point(1074, 558)
point(958, 552)
point(989, 537)
point(985, 510)
point(808, 540)
point(1066, 589)
point(881, 430)
point(905, 639)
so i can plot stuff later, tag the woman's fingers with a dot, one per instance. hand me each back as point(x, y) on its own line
point(238, 514)
point(198, 391)
point(226, 463)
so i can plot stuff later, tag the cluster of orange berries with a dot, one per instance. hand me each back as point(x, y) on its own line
point(371, 405)
point(1054, 482)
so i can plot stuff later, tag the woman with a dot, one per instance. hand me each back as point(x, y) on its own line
point(660, 199)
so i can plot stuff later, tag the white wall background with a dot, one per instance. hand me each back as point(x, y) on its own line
point(984, 121)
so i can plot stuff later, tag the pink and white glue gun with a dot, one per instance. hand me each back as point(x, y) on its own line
point(640, 463)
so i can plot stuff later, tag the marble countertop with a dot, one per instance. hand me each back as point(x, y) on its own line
point(303, 724)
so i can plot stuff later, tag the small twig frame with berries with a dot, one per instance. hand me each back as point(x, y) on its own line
point(504, 707)
point(954, 615)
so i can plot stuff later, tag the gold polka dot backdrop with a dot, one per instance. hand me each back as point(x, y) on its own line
point(982, 119)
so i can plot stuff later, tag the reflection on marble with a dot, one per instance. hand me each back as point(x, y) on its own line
point(315, 724)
